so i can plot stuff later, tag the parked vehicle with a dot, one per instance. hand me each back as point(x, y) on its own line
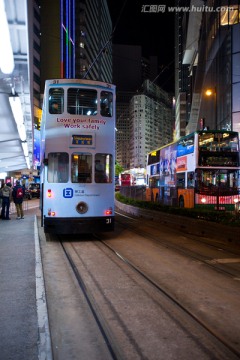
point(34, 191)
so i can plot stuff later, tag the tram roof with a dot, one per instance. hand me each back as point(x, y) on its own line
point(70, 82)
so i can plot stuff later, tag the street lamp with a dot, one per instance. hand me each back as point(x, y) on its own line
point(209, 92)
point(213, 92)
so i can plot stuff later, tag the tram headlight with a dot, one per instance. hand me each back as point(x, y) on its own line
point(203, 200)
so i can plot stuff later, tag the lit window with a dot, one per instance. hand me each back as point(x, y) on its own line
point(81, 169)
point(229, 15)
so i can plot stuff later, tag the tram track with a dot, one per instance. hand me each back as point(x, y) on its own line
point(210, 262)
point(72, 249)
point(90, 303)
point(175, 302)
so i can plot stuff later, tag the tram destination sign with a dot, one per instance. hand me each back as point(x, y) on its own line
point(82, 140)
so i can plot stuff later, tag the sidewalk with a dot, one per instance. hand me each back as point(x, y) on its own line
point(23, 316)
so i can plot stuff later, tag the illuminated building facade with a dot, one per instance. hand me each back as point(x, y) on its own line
point(208, 55)
point(68, 39)
point(76, 40)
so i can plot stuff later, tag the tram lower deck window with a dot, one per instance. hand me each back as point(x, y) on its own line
point(81, 171)
point(103, 168)
point(58, 167)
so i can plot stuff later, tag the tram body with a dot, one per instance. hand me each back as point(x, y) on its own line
point(77, 156)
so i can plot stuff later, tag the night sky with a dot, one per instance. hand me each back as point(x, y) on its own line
point(154, 31)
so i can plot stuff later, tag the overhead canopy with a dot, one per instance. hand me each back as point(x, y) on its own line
point(11, 150)
point(12, 153)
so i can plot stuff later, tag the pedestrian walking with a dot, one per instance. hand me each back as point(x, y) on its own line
point(6, 199)
point(18, 195)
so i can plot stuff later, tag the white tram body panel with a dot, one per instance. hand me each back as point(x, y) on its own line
point(78, 156)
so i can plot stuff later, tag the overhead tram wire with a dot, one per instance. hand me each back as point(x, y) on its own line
point(162, 70)
point(108, 41)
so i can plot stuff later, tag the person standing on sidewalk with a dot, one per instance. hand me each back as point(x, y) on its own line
point(6, 199)
point(18, 195)
point(1, 197)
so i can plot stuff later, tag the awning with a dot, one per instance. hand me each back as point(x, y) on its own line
point(15, 151)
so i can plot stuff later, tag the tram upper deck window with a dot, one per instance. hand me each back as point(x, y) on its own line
point(58, 167)
point(218, 142)
point(106, 102)
point(82, 101)
point(81, 168)
point(154, 157)
point(56, 101)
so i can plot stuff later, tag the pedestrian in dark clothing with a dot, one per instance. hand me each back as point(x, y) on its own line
point(18, 195)
point(1, 196)
point(6, 199)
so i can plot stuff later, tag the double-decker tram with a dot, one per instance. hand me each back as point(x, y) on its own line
point(200, 170)
point(77, 156)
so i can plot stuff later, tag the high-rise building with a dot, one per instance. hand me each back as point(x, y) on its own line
point(34, 20)
point(182, 79)
point(218, 68)
point(76, 40)
point(123, 135)
point(151, 124)
point(130, 70)
point(207, 58)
